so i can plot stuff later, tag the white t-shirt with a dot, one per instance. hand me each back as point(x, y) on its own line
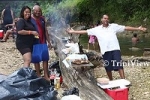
point(107, 37)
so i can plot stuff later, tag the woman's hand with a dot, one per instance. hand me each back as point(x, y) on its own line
point(49, 46)
point(35, 33)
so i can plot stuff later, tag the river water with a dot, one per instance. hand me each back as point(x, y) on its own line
point(125, 44)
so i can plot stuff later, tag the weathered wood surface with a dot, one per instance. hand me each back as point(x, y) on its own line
point(146, 49)
point(82, 78)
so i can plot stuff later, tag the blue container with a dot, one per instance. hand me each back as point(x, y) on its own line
point(40, 53)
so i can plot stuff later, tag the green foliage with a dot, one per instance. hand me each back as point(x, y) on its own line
point(120, 11)
point(16, 5)
point(89, 11)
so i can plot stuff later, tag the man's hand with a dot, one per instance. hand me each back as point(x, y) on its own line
point(49, 46)
point(70, 30)
point(142, 28)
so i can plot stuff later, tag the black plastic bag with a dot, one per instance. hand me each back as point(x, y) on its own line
point(24, 84)
point(72, 91)
point(2, 77)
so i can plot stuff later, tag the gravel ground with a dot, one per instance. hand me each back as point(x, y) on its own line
point(139, 76)
point(11, 59)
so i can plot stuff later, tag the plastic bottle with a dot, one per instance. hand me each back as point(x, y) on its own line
point(57, 82)
point(55, 71)
point(57, 79)
point(52, 77)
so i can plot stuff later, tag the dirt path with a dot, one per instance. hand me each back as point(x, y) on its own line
point(10, 59)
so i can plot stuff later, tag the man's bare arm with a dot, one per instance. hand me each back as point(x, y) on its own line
point(76, 32)
point(129, 28)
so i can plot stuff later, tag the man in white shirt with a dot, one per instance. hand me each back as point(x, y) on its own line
point(109, 45)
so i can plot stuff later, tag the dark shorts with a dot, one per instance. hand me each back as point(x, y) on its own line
point(112, 60)
point(25, 50)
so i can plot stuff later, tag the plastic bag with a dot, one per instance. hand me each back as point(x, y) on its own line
point(72, 91)
point(24, 85)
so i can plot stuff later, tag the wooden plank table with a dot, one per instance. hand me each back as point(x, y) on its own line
point(82, 67)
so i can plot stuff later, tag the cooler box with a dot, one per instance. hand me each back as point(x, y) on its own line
point(118, 94)
point(1, 34)
point(121, 91)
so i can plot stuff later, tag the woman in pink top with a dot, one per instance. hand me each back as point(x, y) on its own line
point(92, 40)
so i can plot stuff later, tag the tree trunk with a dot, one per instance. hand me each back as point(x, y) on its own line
point(79, 77)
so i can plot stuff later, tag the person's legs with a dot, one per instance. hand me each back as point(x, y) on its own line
point(107, 57)
point(118, 63)
point(26, 53)
point(45, 67)
point(121, 73)
point(94, 45)
point(8, 32)
point(27, 59)
point(45, 59)
point(37, 68)
point(109, 74)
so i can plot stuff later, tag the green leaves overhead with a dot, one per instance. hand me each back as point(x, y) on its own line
point(89, 11)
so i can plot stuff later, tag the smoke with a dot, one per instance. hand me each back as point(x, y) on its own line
point(60, 15)
point(62, 12)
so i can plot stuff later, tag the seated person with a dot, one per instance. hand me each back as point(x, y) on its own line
point(10, 31)
point(135, 40)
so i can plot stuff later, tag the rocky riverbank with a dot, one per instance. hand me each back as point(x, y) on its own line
point(11, 59)
point(137, 71)
point(139, 75)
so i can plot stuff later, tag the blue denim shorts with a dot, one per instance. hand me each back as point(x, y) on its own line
point(112, 60)
point(40, 53)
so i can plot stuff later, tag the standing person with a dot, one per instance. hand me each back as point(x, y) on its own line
point(107, 39)
point(25, 35)
point(7, 17)
point(39, 23)
point(92, 40)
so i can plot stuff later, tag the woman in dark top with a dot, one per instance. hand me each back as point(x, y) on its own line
point(25, 35)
